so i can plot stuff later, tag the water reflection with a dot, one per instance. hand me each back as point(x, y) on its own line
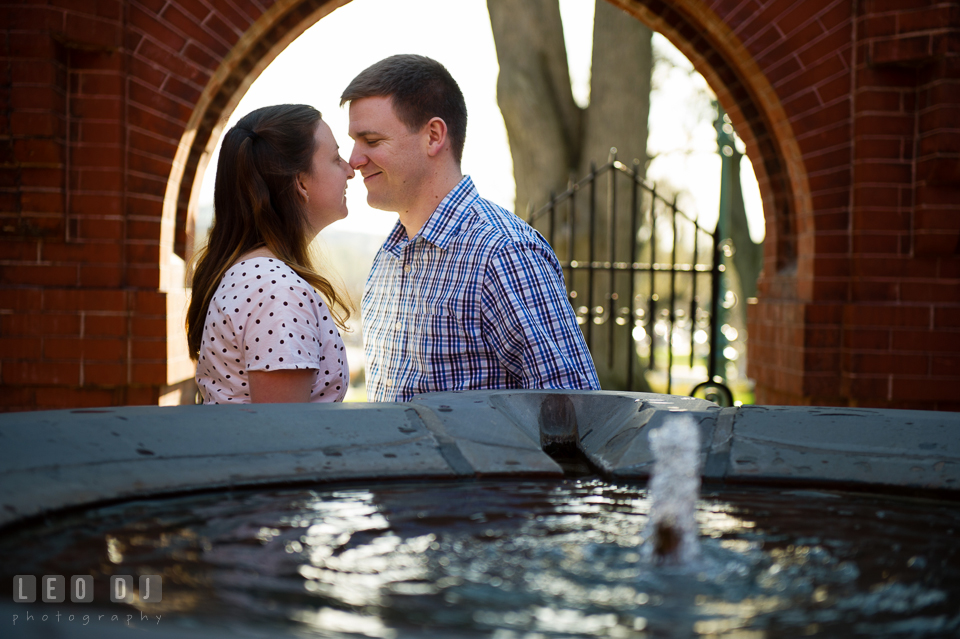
point(558, 559)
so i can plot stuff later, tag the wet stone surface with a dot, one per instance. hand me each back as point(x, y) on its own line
point(561, 558)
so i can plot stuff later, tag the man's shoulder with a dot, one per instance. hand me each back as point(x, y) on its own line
point(505, 244)
point(494, 226)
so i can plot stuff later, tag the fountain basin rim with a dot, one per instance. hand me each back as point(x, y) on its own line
point(54, 460)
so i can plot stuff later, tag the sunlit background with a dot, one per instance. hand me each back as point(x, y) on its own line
point(317, 66)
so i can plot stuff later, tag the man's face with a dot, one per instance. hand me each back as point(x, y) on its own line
point(387, 154)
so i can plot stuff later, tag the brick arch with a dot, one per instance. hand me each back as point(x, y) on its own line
point(716, 51)
point(849, 109)
point(698, 31)
point(270, 34)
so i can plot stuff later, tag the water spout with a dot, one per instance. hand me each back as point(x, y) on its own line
point(674, 487)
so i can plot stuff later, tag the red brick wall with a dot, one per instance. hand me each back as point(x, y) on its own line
point(900, 334)
point(851, 114)
point(849, 109)
point(97, 96)
point(77, 277)
point(107, 112)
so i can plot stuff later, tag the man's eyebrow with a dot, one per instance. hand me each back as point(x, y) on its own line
point(364, 134)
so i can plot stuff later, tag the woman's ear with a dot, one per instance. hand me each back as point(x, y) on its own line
point(436, 130)
point(302, 188)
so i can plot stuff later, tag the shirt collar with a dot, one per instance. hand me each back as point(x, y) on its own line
point(444, 223)
point(396, 240)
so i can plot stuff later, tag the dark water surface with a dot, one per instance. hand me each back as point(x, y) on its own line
point(510, 559)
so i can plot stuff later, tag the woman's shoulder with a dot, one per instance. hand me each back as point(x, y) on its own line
point(263, 267)
point(261, 251)
point(263, 282)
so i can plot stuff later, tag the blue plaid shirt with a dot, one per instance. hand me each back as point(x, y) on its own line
point(474, 300)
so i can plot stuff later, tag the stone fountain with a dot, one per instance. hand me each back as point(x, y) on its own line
point(84, 492)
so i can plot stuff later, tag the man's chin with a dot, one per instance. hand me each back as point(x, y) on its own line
point(380, 205)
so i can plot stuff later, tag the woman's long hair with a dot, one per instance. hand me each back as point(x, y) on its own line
point(256, 204)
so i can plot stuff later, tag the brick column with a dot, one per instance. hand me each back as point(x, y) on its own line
point(901, 337)
point(96, 98)
point(70, 300)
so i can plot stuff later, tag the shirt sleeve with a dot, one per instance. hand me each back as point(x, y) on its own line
point(282, 327)
point(529, 323)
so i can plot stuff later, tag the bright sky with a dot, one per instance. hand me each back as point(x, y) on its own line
point(316, 67)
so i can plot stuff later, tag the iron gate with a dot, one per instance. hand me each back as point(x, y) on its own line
point(644, 279)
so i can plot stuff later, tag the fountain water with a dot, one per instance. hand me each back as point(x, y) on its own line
point(674, 487)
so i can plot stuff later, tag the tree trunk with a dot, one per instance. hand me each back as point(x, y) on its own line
point(616, 118)
point(619, 89)
point(552, 139)
point(543, 121)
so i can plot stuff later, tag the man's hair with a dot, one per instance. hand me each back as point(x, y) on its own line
point(421, 89)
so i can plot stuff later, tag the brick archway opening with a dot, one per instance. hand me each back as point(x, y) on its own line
point(722, 60)
point(746, 95)
point(848, 108)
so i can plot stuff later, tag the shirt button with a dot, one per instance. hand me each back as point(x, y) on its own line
point(407, 268)
point(389, 382)
point(399, 326)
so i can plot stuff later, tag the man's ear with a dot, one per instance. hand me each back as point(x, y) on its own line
point(436, 136)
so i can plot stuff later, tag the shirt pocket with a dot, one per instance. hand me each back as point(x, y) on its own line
point(442, 342)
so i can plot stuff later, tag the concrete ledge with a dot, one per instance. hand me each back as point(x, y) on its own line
point(487, 425)
point(58, 459)
point(775, 444)
point(919, 449)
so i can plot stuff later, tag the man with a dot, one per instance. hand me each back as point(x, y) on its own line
point(463, 294)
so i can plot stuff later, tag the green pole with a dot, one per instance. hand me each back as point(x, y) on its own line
point(727, 150)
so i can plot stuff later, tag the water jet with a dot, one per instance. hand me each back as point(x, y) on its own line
point(672, 535)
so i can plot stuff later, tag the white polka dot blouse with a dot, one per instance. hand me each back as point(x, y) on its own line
point(265, 317)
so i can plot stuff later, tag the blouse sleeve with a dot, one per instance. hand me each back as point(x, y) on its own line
point(281, 328)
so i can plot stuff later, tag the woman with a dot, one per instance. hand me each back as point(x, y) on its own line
point(257, 325)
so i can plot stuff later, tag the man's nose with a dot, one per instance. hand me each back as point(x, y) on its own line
point(357, 159)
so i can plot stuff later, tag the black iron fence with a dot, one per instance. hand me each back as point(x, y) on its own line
point(645, 281)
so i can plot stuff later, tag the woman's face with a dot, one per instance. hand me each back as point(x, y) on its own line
point(325, 186)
